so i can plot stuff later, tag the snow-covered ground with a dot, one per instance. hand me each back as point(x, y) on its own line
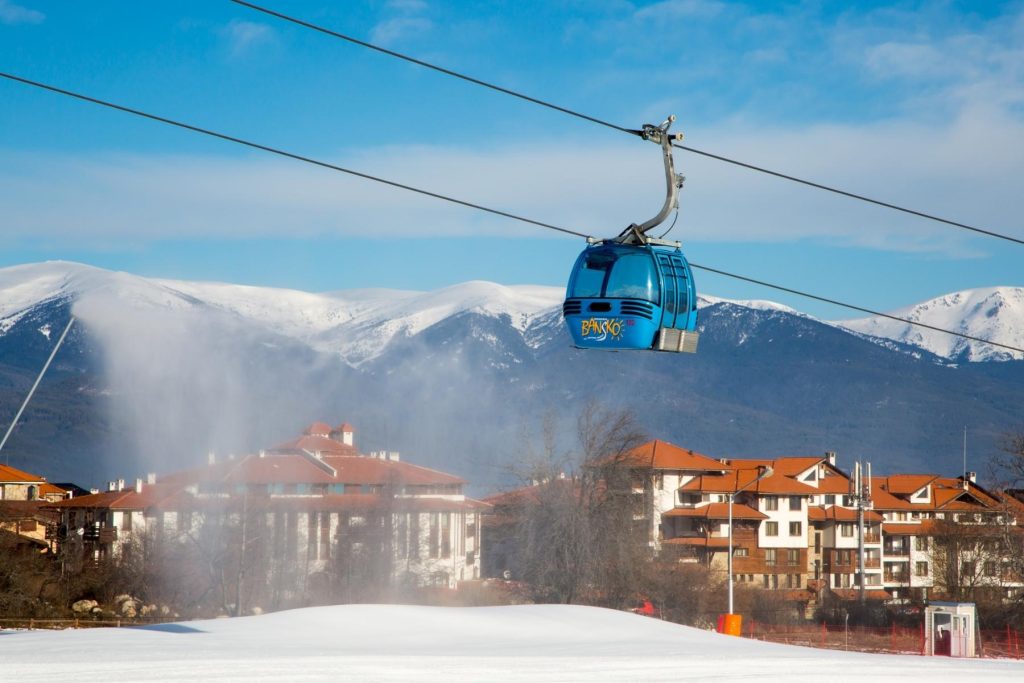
point(403, 643)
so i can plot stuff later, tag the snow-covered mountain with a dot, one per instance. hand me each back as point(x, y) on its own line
point(992, 313)
point(354, 324)
point(454, 376)
point(359, 324)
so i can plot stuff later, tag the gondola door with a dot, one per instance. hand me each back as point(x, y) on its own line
point(669, 291)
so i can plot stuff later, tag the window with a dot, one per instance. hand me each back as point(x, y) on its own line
point(771, 503)
point(771, 528)
point(740, 552)
point(446, 534)
point(616, 272)
point(812, 475)
point(775, 580)
point(414, 536)
point(769, 557)
point(847, 501)
point(793, 556)
point(830, 499)
point(990, 568)
point(969, 569)
point(796, 528)
point(434, 537)
point(126, 520)
point(921, 543)
point(795, 503)
point(921, 569)
point(846, 529)
point(765, 580)
point(901, 516)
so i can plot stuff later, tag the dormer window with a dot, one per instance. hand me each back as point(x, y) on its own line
point(922, 494)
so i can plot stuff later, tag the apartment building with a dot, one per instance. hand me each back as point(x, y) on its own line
point(310, 500)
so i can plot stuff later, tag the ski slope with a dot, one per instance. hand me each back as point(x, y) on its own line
point(405, 643)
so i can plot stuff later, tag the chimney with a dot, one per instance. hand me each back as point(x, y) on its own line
point(263, 453)
point(211, 458)
point(111, 486)
point(394, 456)
point(138, 485)
point(120, 484)
point(347, 433)
point(972, 477)
point(94, 491)
point(830, 456)
point(151, 478)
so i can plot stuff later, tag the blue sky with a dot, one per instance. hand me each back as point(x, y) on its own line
point(920, 104)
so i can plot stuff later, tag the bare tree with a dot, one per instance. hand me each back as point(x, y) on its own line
point(576, 520)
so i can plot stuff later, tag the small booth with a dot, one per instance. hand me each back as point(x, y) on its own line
point(949, 629)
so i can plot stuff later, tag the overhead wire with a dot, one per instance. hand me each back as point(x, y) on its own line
point(454, 200)
point(281, 152)
point(608, 124)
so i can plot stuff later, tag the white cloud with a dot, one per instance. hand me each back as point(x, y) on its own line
point(391, 31)
point(669, 10)
point(242, 37)
point(11, 13)
point(966, 170)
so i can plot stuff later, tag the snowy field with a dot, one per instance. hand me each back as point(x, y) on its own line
point(402, 643)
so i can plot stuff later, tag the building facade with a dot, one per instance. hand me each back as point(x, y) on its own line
point(309, 504)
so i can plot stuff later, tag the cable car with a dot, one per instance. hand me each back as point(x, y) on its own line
point(635, 291)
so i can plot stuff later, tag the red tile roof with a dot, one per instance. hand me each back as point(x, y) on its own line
point(662, 455)
point(12, 510)
point(13, 474)
point(318, 429)
point(153, 495)
point(907, 484)
point(789, 466)
point(922, 528)
point(730, 482)
point(947, 493)
point(315, 443)
point(837, 513)
point(717, 511)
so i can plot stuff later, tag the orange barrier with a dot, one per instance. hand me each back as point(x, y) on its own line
point(730, 624)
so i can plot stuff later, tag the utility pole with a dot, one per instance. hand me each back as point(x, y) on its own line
point(860, 493)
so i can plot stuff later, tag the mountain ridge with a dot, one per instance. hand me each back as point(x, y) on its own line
point(158, 373)
point(357, 323)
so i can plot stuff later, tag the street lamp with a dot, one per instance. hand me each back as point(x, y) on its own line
point(765, 471)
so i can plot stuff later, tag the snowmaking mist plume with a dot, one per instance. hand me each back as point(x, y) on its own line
point(185, 379)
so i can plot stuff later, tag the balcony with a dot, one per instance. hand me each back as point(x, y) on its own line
point(872, 562)
point(897, 577)
point(897, 550)
point(872, 538)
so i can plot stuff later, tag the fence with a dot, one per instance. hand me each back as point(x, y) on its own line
point(905, 640)
point(84, 622)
